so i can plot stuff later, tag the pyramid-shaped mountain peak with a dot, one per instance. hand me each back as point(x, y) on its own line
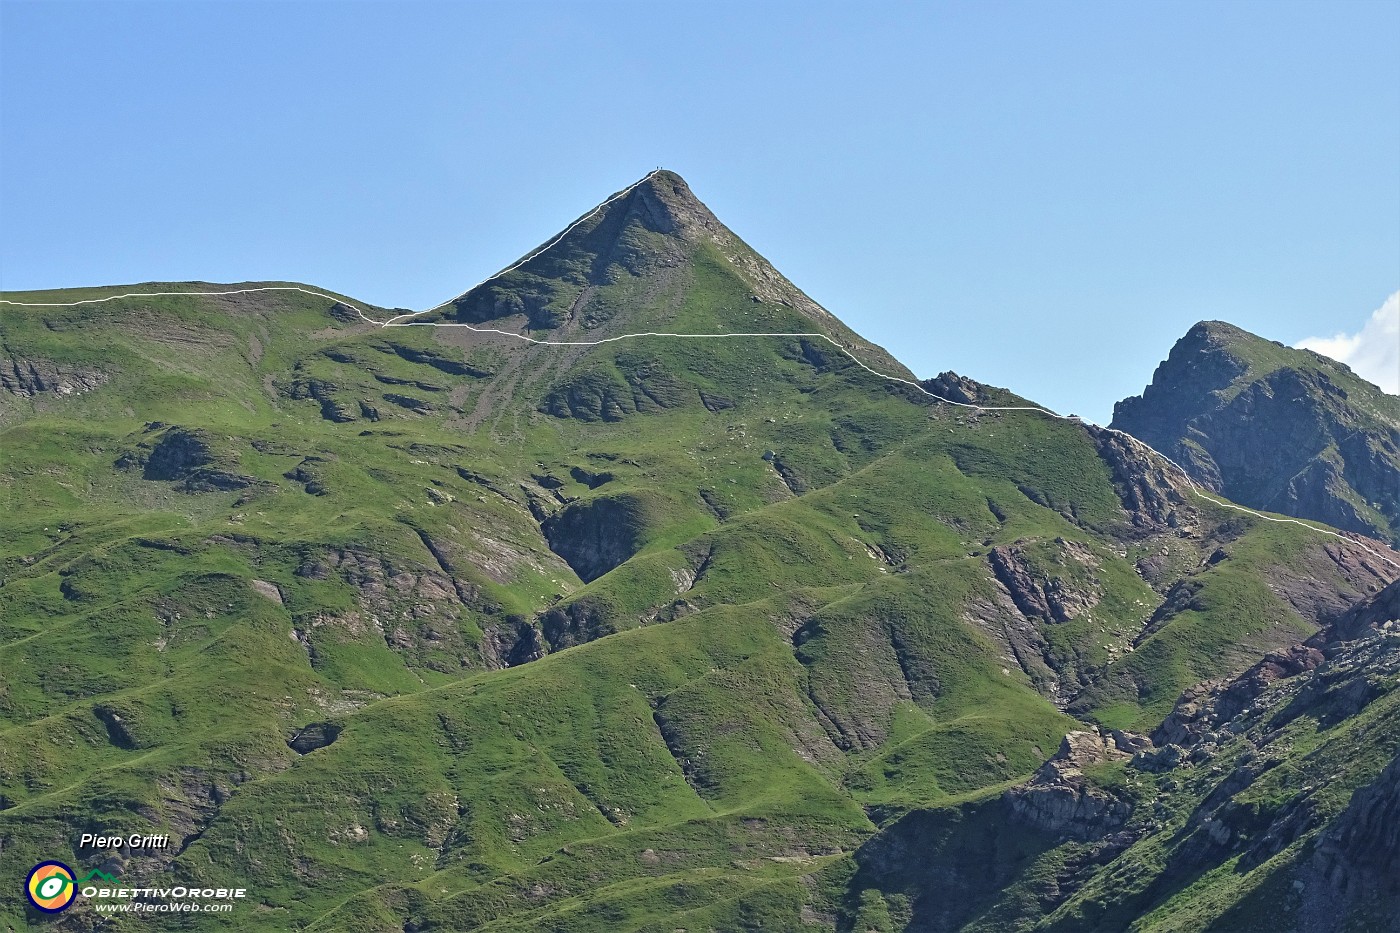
point(651, 230)
point(650, 257)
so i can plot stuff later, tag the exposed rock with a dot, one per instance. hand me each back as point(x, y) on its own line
point(409, 402)
point(512, 643)
point(1052, 597)
point(332, 409)
point(1379, 612)
point(791, 478)
point(1160, 759)
point(1183, 596)
point(1153, 494)
point(313, 736)
point(418, 612)
point(415, 383)
point(1060, 800)
point(441, 363)
point(594, 395)
point(595, 536)
point(636, 384)
point(186, 455)
point(1326, 581)
point(30, 377)
point(1202, 709)
point(583, 620)
point(118, 730)
point(714, 401)
point(1358, 856)
point(955, 388)
point(179, 452)
point(589, 478)
point(1021, 640)
point(309, 474)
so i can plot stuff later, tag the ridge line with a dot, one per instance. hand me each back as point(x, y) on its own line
point(402, 320)
point(528, 256)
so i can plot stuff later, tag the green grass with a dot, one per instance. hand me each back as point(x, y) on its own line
point(786, 642)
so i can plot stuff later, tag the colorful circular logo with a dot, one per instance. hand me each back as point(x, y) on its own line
point(50, 887)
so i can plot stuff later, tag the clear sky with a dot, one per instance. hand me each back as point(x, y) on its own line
point(1039, 195)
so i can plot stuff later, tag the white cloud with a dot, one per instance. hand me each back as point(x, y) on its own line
point(1373, 352)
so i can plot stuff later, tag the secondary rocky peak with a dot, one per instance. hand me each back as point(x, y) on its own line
point(1274, 428)
point(1218, 332)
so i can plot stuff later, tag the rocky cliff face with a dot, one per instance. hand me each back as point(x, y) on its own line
point(594, 537)
point(1274, 428)
point(1356, 862)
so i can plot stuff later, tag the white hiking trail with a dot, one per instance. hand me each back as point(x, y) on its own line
point(401, 320)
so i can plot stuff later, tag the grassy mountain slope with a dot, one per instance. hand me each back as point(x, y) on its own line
point(1270, 804)
point(423, 628)
point(1275, 428)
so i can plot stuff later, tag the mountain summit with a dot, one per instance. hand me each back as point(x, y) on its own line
point(652, 256)
point(1274, 428)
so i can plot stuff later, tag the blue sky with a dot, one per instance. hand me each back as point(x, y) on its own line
point(1039, 195)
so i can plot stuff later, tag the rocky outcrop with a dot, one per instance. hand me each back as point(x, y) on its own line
point(583, 620)
point(964, 391)
point(1204, 709)
point(188, 456)
point(311, 474)
point(1153, 493)
point(594, 395)
point(417, 611)
point(512, 642)
point(1234, 796)
point(1037, 592)
point(178, 453)
point(955, 388)
point(410, 403)
point(118, 729)
point(595, 536)
point(1358, 856)
point(315, 735)
point(1238, 794)
point(1381, 611)
point(635, 384)
point(1060, 800)
point(332, 409)
point(32, 377)
point(438, 361)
